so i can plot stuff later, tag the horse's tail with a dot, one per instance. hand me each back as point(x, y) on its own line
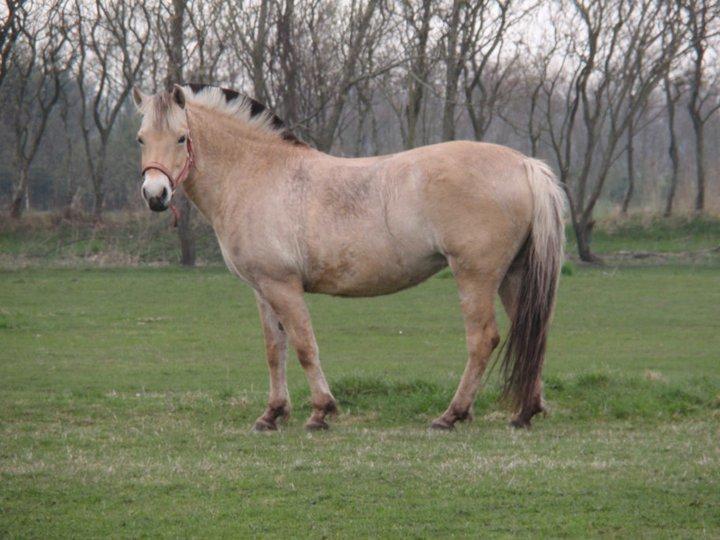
point(542, 260)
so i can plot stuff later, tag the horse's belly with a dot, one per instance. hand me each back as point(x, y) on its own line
point(373, 276)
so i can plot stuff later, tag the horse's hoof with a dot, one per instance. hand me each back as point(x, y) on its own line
point(262, 425)
point(317, 425)
point(442, 425)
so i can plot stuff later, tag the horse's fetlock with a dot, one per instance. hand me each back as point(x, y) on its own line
point(279, 409)
point(327, 405)
point(462, 414)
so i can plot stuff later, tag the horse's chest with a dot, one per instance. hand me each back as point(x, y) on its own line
point(233, 263)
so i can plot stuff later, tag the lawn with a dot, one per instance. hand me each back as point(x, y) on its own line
point(126, 398)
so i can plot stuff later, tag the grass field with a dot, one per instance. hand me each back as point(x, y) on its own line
point(126, 398)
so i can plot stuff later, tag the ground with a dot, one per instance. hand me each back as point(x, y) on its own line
point(127, 396)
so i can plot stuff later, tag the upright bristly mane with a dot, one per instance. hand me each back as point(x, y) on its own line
point(239, 106)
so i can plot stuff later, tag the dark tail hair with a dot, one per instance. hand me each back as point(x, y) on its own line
point(543, 256)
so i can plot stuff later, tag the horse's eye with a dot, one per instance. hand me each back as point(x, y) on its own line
point(140, 140)
point(181, 139)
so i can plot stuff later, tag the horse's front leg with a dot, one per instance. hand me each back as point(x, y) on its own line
point(276, 352)
point(286, 300)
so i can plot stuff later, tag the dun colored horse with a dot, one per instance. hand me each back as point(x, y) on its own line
point(290, 219)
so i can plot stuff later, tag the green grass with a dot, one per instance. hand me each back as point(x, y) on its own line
point(126, 398)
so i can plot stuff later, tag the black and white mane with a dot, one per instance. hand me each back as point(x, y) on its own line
point(239, 106)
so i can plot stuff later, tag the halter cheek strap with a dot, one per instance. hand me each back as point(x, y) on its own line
point(174, 182)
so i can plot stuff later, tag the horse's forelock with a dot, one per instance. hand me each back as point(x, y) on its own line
point(162, 112)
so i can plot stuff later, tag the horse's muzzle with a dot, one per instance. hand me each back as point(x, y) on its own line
point(156, 190)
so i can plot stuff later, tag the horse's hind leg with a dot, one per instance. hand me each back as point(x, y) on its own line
point(276, 352)
point(286, 299)
point(477, 292)
point(509, 293)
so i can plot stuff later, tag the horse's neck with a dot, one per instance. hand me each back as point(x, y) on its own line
point(226, 161)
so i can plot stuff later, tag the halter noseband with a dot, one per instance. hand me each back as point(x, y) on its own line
point(174, 182)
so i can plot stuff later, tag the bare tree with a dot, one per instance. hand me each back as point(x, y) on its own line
point(456, 45)
point(534, 124)
point(630, 162)
point(205, 45)
point(405, 89)
point(247, 28)
point(702, 18)
point(111, 42)
point(175, 47)
point(487, 73)
point(73, 198)
point(286, 54)
point(638, 121)
point(37, 65)
point(260, 45)
point(613, 59)
point(417, 17)
point(524, 113)
point(673, 92)
point(360, 19)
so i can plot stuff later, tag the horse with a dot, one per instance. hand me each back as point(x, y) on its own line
point(290, 220)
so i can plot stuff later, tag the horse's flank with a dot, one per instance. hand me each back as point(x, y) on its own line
point(291, 219)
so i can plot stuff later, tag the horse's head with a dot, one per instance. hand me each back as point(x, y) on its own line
point(164, 139)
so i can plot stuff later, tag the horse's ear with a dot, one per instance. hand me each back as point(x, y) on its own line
point(178, 95)
point(138, 96)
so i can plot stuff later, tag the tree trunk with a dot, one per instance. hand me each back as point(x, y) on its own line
point(98, 205)
point(452, 74)
point(700, 166)
point(258, 53)
point(73, 204)
point(288, 61)
point(417, 78)
point(695, 104)
point(187, 239)
point(175, 75)
point(630, 166)
point(16, 205)
point(98, 179)
point(582, 226)
point(672, 149)
point(175, 50)
point(583, 236)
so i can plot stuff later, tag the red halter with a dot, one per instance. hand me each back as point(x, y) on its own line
point(174, 182)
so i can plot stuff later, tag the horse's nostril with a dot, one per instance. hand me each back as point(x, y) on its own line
point(164, 193)
point(157, 204)
point(144, 194)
